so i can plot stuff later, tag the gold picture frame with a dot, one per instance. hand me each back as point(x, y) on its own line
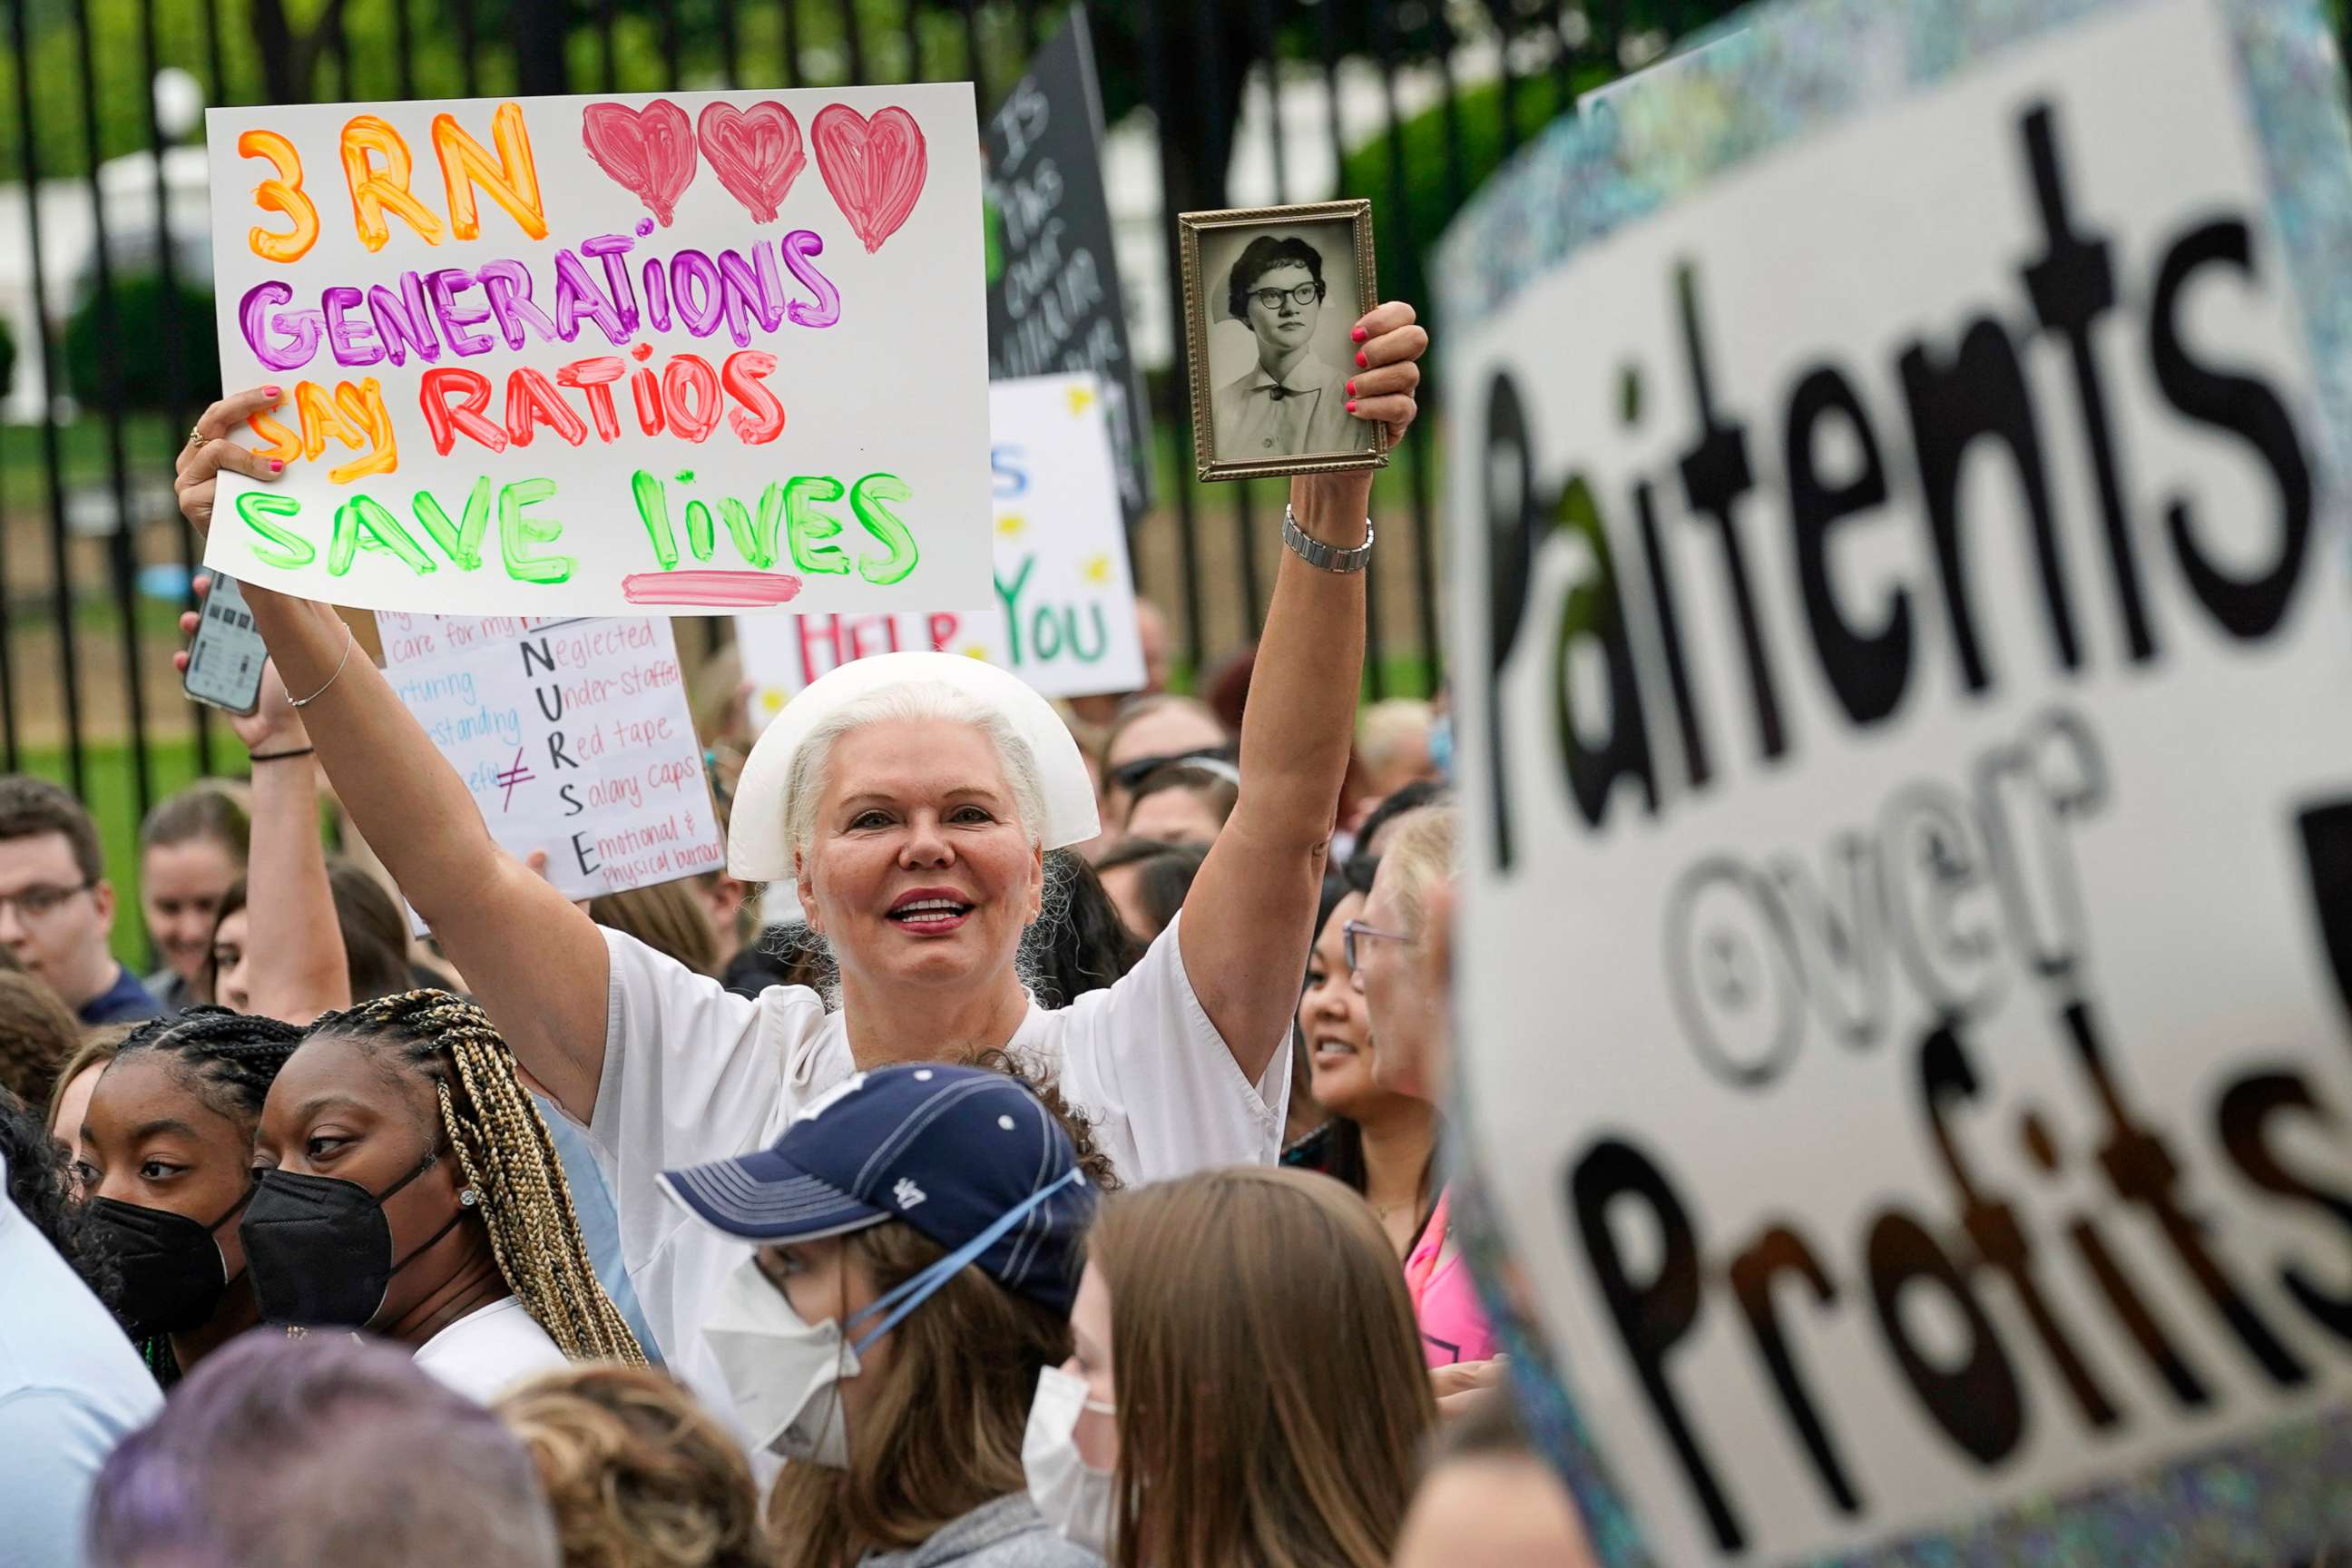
point(1219, 232)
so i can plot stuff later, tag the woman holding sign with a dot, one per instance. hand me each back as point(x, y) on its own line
point(913, 798)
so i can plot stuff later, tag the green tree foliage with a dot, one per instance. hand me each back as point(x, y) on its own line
point(165, 358)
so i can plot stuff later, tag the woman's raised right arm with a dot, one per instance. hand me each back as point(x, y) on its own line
point(537, 964)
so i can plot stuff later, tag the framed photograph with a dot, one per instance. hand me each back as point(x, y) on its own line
point(1271, 298)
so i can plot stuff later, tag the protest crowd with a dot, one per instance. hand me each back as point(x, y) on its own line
point(1062, 1181)
point(750, 1005)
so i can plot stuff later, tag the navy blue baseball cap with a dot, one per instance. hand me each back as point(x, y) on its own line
point(950, 1151)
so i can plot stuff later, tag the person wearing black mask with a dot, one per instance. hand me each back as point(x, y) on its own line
point(166, 1164)
point(409, 1187)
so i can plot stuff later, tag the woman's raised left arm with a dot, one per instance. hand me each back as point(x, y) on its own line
point(298, 968)
point(1249, 920)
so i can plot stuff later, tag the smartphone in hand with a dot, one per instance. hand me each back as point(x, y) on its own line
point(225, 661)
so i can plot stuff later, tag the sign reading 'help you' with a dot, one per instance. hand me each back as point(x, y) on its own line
point(589, 355)
point(1909, 911)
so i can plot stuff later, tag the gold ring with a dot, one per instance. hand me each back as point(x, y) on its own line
point(196, 437)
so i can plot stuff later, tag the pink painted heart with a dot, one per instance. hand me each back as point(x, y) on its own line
point(648, 152)
point(755, 151)
point(873, 168)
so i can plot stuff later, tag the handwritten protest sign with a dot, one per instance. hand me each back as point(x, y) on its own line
point(608, 354)
point(1054, 299)
point(574, 737)
point(1065, 614)
point(1901, 649)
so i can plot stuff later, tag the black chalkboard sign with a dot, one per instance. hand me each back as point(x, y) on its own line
point(1054, 300)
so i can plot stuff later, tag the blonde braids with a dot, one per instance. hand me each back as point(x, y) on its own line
point(509, 1160)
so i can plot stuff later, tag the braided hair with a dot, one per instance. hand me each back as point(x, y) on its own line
point(229, 1060)
point(506, 1156)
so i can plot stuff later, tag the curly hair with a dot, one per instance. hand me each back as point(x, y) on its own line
point(1075, 1122)
point(42, 1191)
point(639, 1475)
point(507, 1155)
point(1084, 945)
point(1262, 256)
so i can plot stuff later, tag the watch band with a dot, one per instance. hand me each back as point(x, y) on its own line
point(1323, 557)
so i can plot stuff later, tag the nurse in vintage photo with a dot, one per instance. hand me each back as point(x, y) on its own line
point(1291, 402)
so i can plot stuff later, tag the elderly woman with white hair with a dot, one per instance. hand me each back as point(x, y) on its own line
point(913, 799)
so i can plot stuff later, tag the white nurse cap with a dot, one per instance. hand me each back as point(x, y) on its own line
point(756, 847)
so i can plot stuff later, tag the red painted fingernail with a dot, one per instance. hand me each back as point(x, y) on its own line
point(275, 465)
point(1361, 362)
point(1362, 334)
point(1351, 402)
point(1351, 389)
point(273, 392)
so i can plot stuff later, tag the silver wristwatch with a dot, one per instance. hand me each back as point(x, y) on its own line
point(1317, 553)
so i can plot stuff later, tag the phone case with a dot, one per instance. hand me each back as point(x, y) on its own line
point(225, 661)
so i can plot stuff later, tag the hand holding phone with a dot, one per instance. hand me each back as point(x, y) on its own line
point(224, 660)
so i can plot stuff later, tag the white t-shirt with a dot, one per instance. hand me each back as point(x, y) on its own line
point(693, 1072)
point(489, 1349)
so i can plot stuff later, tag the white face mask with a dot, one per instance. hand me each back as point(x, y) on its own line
point(1071, 1495)
point(785, 1375)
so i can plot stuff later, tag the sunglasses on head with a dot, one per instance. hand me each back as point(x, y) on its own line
point(1129, 775)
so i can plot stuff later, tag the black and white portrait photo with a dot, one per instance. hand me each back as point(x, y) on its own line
point(1272, 301)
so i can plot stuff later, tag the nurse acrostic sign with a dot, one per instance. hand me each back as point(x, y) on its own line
point(609, 355)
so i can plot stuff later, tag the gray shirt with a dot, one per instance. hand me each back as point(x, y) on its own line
point(1006, 1533)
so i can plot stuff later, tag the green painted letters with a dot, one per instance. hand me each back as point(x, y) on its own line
point(365, 520)
point(461, 543)
point(279, 548)
point(653, 506)
point(867, 498)
point(1011, 599)
point(517, 533)
point(806, 528)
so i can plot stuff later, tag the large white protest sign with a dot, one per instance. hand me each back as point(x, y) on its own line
point(1905, 952)
point(1064, 618)
point(611, 354)
point(574, 737)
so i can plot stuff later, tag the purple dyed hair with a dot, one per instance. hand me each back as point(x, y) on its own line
point(280, 1453)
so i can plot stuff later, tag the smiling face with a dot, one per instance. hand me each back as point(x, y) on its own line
point(1335, 1023)
point(232, 986)
point(1286, 325)
point(180, 889)
point(919, 870)
point(152, 1136)
point(354, 1111)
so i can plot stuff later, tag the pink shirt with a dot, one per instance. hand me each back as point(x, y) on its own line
point(1453, 1327)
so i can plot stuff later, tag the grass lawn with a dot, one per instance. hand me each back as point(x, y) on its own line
point(108, 791)
point(148, 444)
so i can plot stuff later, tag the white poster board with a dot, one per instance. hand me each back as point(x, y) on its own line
point(1064, 615)
point(1904, 642)
point(574, 736)
point(609, 355)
